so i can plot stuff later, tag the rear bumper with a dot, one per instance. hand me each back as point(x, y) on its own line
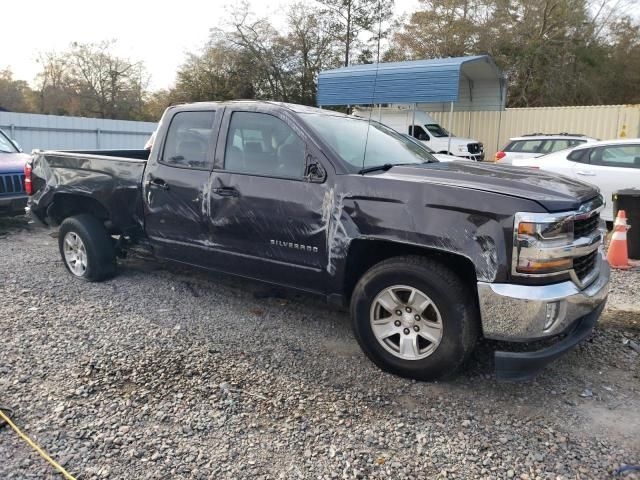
point(10, 206)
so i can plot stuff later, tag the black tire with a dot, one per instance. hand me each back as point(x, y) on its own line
point(457, 307)
point(100, 254)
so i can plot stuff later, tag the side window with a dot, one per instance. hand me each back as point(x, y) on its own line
point(626, 156)
point(558, 145)
point(580, 155)
point(547, 147)
point(416, 131)
point(527, 146)
point(188, 137)
point(262, 144)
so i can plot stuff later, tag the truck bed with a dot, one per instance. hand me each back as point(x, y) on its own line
point(126, 154)
point(111, 179)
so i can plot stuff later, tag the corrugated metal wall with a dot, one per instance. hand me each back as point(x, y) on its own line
point(73, 133)
point(495, 128)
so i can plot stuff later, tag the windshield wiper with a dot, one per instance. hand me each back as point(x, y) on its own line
point(386, 166)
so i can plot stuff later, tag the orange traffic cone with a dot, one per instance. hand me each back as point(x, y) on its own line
point(617, 255)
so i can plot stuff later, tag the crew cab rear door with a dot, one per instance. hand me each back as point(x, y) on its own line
point(267, 217)
point(175, 185)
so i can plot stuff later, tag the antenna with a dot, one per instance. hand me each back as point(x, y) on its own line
point(375, 81)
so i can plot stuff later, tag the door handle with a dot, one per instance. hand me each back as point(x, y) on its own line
point(158, 183)
point(226, 192)
point(586, 172)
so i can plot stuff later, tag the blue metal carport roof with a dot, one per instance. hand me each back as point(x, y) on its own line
point(421, 81)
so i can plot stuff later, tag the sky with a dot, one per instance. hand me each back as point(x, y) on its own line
point(155, 32)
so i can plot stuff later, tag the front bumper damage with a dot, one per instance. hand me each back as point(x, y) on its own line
point(522, 313)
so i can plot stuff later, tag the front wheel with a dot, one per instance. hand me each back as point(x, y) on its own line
point(86, 248)
point(414, 317)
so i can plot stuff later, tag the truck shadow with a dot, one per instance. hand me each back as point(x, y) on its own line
point(9, 225)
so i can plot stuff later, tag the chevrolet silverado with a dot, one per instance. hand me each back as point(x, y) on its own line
point(428, 256)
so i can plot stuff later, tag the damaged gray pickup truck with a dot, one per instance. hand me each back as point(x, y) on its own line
point(428, 256)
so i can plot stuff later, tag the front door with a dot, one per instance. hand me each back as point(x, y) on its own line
point(175, 187)
point(267, 217)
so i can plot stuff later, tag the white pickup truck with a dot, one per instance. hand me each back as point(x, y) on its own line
point(423, 127)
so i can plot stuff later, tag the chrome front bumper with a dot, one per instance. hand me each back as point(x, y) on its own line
point(519, 313)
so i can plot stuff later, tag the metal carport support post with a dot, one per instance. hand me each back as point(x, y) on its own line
point(449, 132)
point(413, 122)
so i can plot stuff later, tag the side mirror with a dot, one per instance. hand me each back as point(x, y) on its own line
point(423, 137)
point(315, 172)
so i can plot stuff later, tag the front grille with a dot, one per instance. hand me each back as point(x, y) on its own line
point(474, 148)
point(11, 183)
point(585, 227)
point(584, 265)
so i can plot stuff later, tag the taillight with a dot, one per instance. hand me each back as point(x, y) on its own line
point(500, 155)
point(27, 179)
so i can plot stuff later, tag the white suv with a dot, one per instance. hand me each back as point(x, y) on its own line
point(538, 144)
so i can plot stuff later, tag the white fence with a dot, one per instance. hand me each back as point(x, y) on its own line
point(73, 133)
point(495, 128)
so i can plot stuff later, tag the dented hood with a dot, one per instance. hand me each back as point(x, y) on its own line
point(554, 192)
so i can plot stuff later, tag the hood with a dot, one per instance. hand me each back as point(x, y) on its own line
point(13, 162)
point(443, 157)
point(554, 192)
point(459, 140)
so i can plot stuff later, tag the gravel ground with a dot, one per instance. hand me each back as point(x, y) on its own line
point(169, 373)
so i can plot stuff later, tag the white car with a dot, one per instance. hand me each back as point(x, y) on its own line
point(610, 165)
point(538, 144)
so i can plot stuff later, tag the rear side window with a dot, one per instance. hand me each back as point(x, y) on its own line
point(626, 156)
point(580, 155)
point(557, 145)
point(261, 144)
point(188, 140)
point(525, 146)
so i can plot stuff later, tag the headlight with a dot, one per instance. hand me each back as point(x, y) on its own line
point(542, 245)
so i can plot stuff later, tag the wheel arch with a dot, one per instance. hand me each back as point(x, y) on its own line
point(365, 253)
point(65, 205)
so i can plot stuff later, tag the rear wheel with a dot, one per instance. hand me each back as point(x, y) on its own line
point(414, 317)
point(86, 248)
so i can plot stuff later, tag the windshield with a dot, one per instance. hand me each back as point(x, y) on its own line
point(436, 130)
point(364, 147)
point(5, 145)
